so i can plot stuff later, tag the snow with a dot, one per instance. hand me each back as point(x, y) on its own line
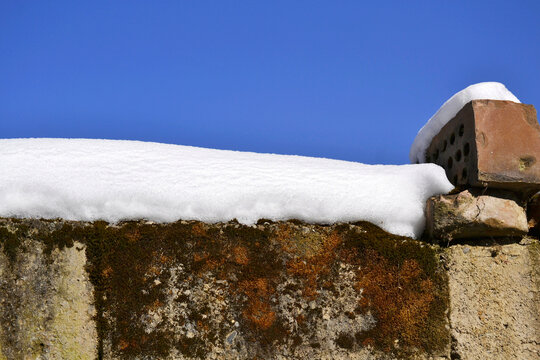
point(114, 180)
point(484, 90)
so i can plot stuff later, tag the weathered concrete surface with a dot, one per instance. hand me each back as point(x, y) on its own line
point(463, 215)
point(191, 290)
point(495, 300)
point(285, 290)
point(45, 299)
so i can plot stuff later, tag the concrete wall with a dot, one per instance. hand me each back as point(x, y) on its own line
point(287, 290)
point(494, 298)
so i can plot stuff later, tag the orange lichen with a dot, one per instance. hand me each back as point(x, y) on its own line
point(154, 271)
point(198, 229)
point(240, 255)
point(122, 344)
point(212, 264)
point(202, 326)
point(398, 296)
point(258, 311)
point(260, 314)
point(283, 233)
point(163, 259)
point(368, 342)
point(199, 256)
point(107, 272)
point(311, 268)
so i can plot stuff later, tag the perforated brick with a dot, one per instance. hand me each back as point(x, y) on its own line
point(490, 143)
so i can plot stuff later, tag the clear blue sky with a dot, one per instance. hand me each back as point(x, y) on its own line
point(352, 80)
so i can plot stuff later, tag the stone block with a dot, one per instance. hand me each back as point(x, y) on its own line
point(190, 290)
point(490, 143)
point(46, 300)
point(495, 301)
point(463, 215)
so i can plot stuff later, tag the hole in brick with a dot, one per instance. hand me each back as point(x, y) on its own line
point(525, 162)
point(466, 149)
point(428, 158)
point(452, 139)
point(450, 162)
point(461, 130)
point(436, 155)
point(458, 155)
point(464, 174)
point(455, 180)
point(444, 145)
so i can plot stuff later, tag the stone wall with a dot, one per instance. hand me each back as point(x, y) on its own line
point(494, 298)
point(275, 290)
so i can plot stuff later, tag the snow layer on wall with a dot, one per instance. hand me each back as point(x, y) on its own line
point(484, 90)
point(113, 180)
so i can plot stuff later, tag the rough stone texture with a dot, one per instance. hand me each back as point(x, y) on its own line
point(191, 290)
point(464, 215)
point(45, 300)
point(495, 300)
point(533, 215)
point(285, 290)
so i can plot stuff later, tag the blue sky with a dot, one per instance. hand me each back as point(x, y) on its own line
point(349, 80)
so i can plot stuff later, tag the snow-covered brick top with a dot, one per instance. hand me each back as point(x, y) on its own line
point(484, 90)
point(78, 179)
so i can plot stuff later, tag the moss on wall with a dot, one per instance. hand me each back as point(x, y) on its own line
point(198, 289)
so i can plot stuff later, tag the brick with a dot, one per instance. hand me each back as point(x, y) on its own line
point(466, 216)
point(490, 143)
